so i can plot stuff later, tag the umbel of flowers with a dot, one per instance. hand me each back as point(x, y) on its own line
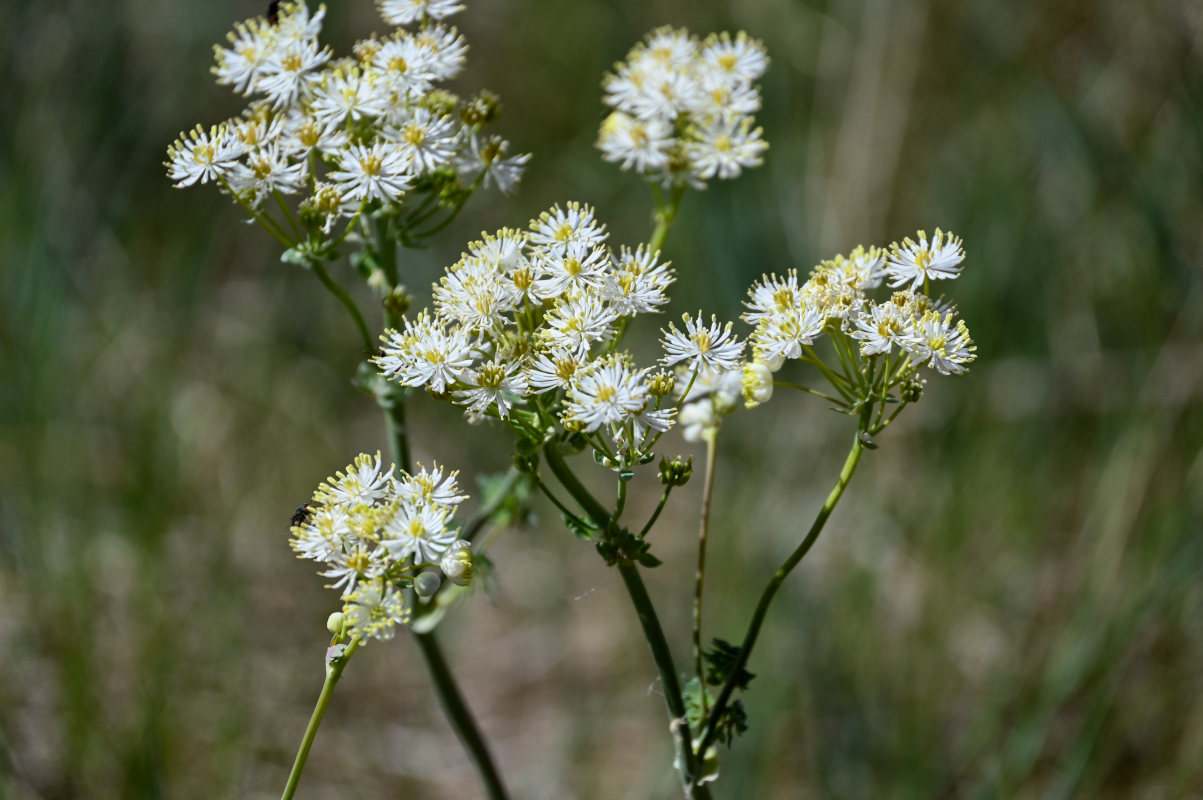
point(377, 534)
point(527, 328)
point(345, 134)
point(683, 107)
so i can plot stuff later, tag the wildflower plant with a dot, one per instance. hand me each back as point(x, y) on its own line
point(527, 329)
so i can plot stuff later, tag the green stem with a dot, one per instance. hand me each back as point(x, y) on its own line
point(665, 216)
point(770, 590)
point(673, 700)
point(470, 530)
point(334, 671)
point(444, 684)
point(460, 717)
point(555, 501)
point(652, 631)
point(347, 301)
point(700, 575)
point(808, 390)
point(656, 514)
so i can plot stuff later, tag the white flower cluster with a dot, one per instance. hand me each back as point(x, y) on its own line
point(683, 107)
point(374, 532)
point(790, 316)
point(530, 318)
point(348, 131)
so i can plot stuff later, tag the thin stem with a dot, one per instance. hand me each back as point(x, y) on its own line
point(268, 224)
point(459, 716)
point(808, 390)
point(555, 501)
point(621, 502)
point(700, 575)
point(665, 216)
point(673, 700)
point(770, 590)
point(593, 509)
point(334, 671)
point(652, 631)
point(347, 301)
point(656, 514)
point(292, 223)
point(474, 525)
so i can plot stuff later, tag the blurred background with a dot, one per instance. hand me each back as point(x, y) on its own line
point(1007, 604)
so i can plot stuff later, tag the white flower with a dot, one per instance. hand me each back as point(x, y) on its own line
point(419, 532)
point(921, 261)
point(486, 154)
point(430, 487)
point(491, 383)
point(785, 334)
point(374, 172)
point(712, 346)
point(374, 611)
point(576, 323)
point(945, 346)
point(553, 369)
point(445, 51)
point(725, 147)
point(266, 170)
point(326, 533)
point(555, 228)
point(304, 133)
point(742, 58)
point(631, 142)
point(608, 393)
point(697, 418)
point(881, 327)
point(577, 267)
point(425, 354)
point(241, 65)
point(404, 12)
point(286, 72)
point(363, 483)
point(404, 66)
point(773, 296)
point(426, 140)
point(476, 294)
point(202, 157)
point(345, 93)
point(349, 566)
point(637, 283)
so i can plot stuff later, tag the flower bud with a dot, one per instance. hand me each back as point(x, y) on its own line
point(661, 384)
point(335, 622)
point(912, 389)
point(396, 301)
point(675, 471)
point(757, 384)
point(480, 109)
point(439, 102)
point(427, 583)
point(457, 563)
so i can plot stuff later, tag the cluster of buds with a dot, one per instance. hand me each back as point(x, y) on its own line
point(377, 534)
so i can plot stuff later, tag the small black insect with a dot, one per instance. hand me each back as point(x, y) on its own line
point(273, 12)
point(301, 515)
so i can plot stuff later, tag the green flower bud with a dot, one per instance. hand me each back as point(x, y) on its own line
point(335, 622)
point(397, 301)
point(427, 583)
point(675, 472)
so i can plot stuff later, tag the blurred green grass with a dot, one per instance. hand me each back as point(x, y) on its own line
point(1008, 604)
